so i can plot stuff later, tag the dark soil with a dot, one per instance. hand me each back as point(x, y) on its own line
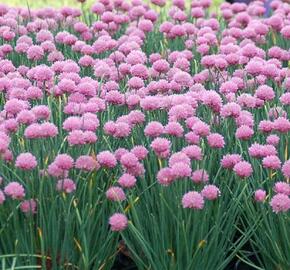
point(125, 263)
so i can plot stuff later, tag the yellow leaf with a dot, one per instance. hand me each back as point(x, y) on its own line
point(129, 206)
point(78, 244)
point(39, 232)
point(170, 252)
point(201, 244)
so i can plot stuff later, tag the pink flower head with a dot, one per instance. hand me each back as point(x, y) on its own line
point(15, 190)
point(193, 152)
point(282, 187)
point(129, 160)
point(28, 206)
point(286, 168)
point(64, 161)
point(271, 162)
point(122, 130)
point(231, 109)
point(106, 159)
point(180, 170)
point(35, 52)
point(243, 169)
point(86, 163)
point(200, 176)
point(120, 152)
point(200, 128)
point(115, 194)
point(273, 140)
point(2, 197)
point(161, 66)
point(66, 185)
point(280, 203)
point(174, 129)
point(285, 31)
point(183, 78)
point(140, 152)
point(210, 192)
point(265, 92)
point(215, 140)
point(193, 200)
point(244, 132)
point(281, 124)
point(192, 138)
point(161, 146)
point(179, 157)
point(118, 222)
point(127, 180)
point(260, 195)
point(285, 99)
point(26, 161)
point(165, 176)
point(154, 129)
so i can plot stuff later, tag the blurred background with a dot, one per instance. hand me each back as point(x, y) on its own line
point(44, 3)
point(61, 3)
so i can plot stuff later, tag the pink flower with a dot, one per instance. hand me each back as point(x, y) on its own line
point(260, 195)
point(180, 170)
point(282, 125)
point(174, 129)
point(273, 140)
point(26, 161)
point(2, 197)
point(139, 151)
point(118, 222)
point(286, 168)
point(48, 130)
point(120, 152)
point(25, 117)
point(280, 203)
point(199, 176)
point(86, 163)
point(244, 132)
point(115, 194)
point(282, 187)
point(193, 200)
point(64, 161)
point(66, 185)
point(28, 206)
point(127, 181)
point(285, 99)
point(183, 78)
point(215, 140)
point(230, 109)
point(14, 190)
point(179, 157)
point(265, 92)
point(285, 31)
point(243, 169)
point(161, 66)
point(271, 162)
point(129, 160)
point(210, 192)
point(35, 52)
point(106, 159)
point(154, 129)
point(192, 138)
point(165, 176)
point(200, 128)
point(161, 146)
point(193, 152)
point(122, 130)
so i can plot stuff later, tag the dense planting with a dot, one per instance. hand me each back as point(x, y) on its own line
point(160, 128)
